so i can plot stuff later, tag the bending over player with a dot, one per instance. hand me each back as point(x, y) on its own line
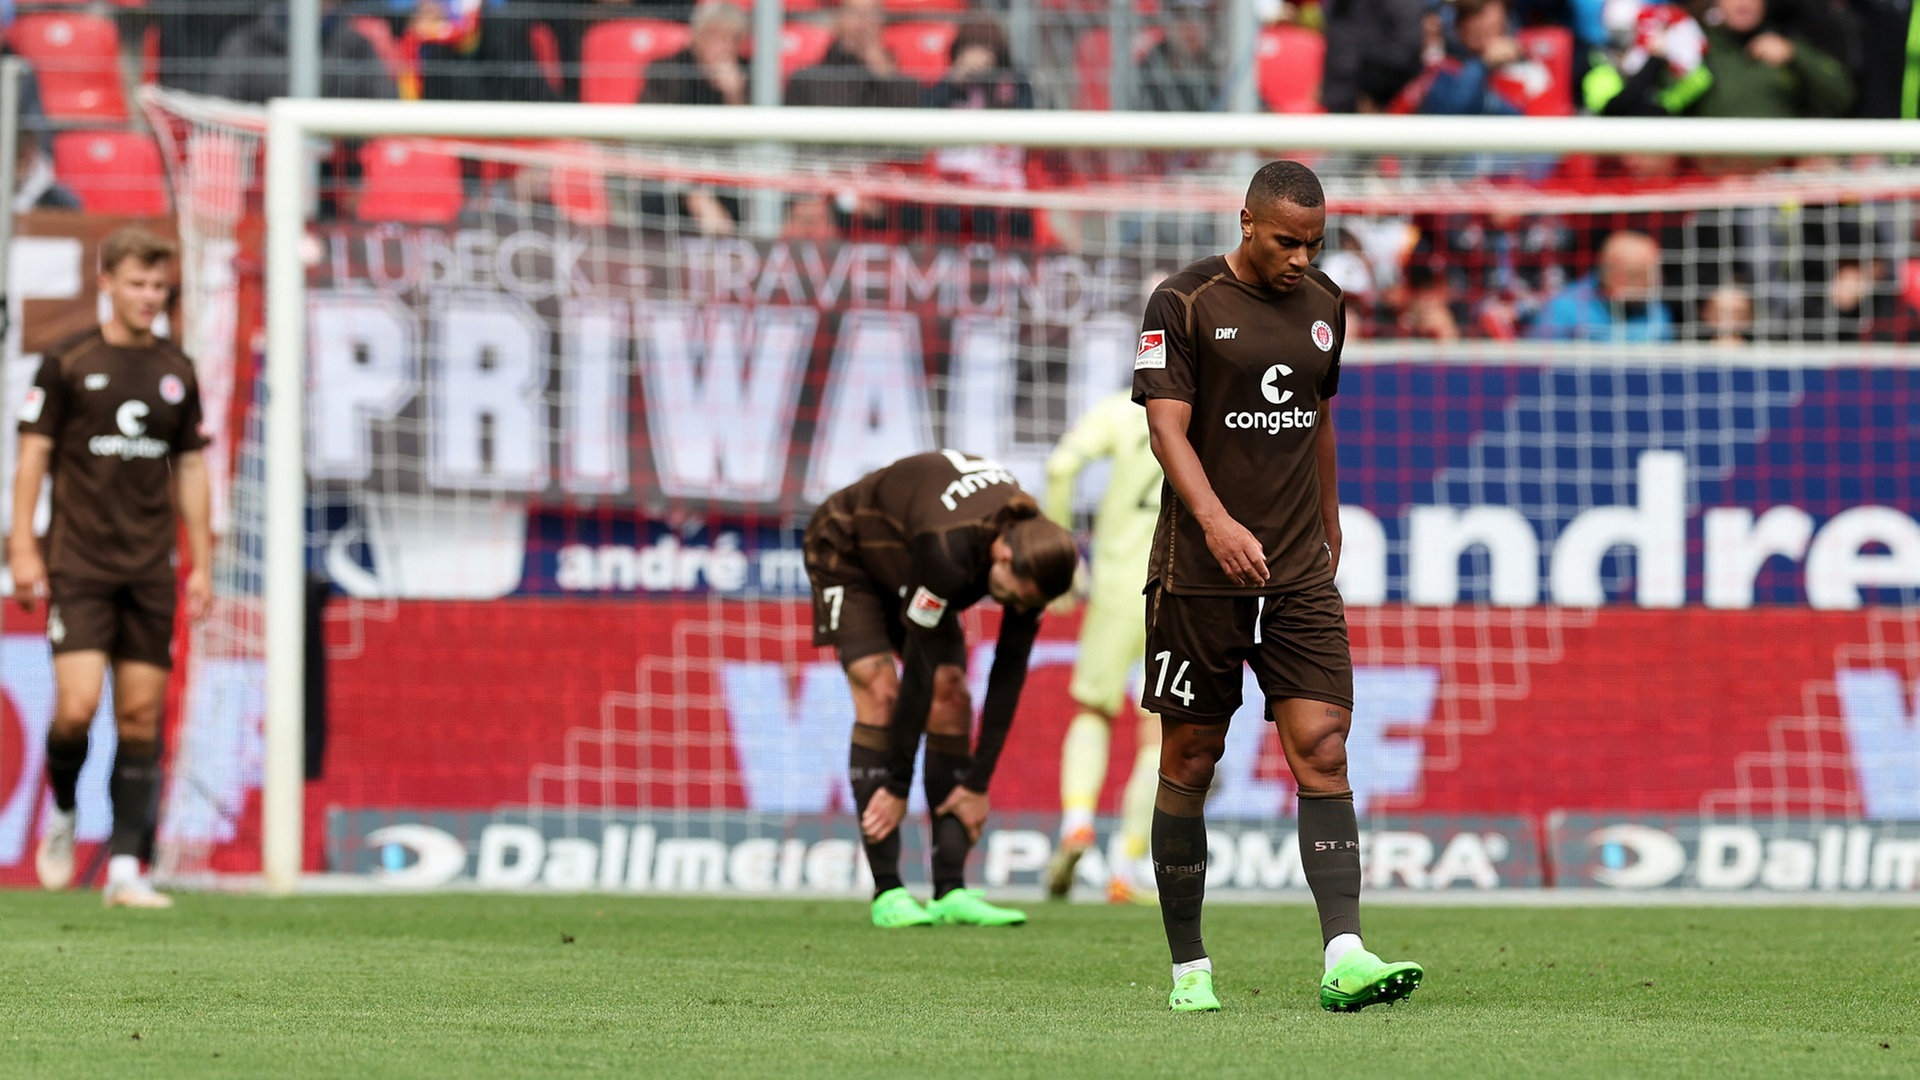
point(1112, 638)
point(1239, 354)
point(893, 559)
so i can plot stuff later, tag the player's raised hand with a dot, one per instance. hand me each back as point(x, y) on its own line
point(29, 577)
point(882, 815)
point(967, 805)
point(1237, 552)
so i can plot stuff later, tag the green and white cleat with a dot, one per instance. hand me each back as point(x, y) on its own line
point(966, 907)
point(896, 908)
point(1194, 993)
point(1361, 979)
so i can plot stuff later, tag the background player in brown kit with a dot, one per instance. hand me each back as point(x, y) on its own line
point(114, 417)
point(893, 559)
point(1238, 356)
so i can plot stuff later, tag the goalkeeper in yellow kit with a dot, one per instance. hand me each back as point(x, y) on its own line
point(1112, 637)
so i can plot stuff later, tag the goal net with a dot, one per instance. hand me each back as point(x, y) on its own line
point(1626, 447)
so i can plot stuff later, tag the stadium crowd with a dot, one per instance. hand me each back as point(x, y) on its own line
point(1839, 272)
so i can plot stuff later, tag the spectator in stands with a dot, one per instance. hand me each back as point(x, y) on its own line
point(464, 52)
point(1373, 52)
point(1466, 81)
point(1653, 65)
point(35, 186)
point(857, 70)
point(810, 217)
point(571, 23)
point(981, 75)
point(190, 39)
point(1182, 72)
point(1726, 316)
point(1430, 310)
point(252, 65)
point(1616, 303)
point(709, 71)
point(1760, 72)
point(1889, 34)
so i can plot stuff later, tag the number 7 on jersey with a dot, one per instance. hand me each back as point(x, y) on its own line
point(1182, 686)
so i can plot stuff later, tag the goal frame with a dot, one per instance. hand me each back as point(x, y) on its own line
point(291, 123)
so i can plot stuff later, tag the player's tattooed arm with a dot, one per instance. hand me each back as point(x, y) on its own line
point(1235, 548)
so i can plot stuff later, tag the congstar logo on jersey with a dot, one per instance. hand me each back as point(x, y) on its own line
point(1274, 421)
point(132, 442)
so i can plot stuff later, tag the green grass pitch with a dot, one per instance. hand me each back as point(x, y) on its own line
point(485, 986)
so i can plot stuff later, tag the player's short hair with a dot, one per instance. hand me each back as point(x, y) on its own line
point(134, 243)
point(1043, 552)
point(1285, 181)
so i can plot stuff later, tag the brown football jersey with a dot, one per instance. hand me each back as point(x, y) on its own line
point(117, 416)
point(1255, 365)
point(923, 526)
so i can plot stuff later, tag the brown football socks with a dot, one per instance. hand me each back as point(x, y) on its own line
point(1330, 855)
point(867, 769)
point(948, 760)
point(1179, 844)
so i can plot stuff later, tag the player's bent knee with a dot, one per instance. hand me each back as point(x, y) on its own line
point(952, 708)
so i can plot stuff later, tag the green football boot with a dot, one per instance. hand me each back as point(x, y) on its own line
point(1194, 993)
point(966, 907)
point(896, 908)
point(1361, 979)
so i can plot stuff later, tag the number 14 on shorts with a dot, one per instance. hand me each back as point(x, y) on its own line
point(1182, 687)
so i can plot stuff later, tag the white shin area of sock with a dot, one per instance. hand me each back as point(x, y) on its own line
point(123, 868)
point(1205, 964)
point(1341, 945)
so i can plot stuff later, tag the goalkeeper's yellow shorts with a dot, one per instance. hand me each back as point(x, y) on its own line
point(1113, 641)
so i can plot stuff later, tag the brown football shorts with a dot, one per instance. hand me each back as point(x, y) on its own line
point(127, 621)
point(1296, 644)
point(859, 617)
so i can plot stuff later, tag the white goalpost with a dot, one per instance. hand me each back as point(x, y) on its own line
point(766, 143)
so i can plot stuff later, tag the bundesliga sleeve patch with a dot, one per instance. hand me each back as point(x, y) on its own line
point(1153, 350)
point(30, 408)
point(926, 609)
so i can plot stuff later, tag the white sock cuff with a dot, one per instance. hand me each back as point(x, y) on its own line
point(1205, 964)
point(1340, 946)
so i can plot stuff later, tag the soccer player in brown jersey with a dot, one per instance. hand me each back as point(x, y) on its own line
point(114, 417)
point(1238, 356)
point(894, 558)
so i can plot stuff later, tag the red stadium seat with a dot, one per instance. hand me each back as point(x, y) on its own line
point(614, 57)
point(925, 7)
point(402, 180)
point(579, 192)
point(77, 61)
point(802, 45)
point(545, 47)
point(921, 48)
point(1092, 65)
point(113, 172)
point(1290, 63)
